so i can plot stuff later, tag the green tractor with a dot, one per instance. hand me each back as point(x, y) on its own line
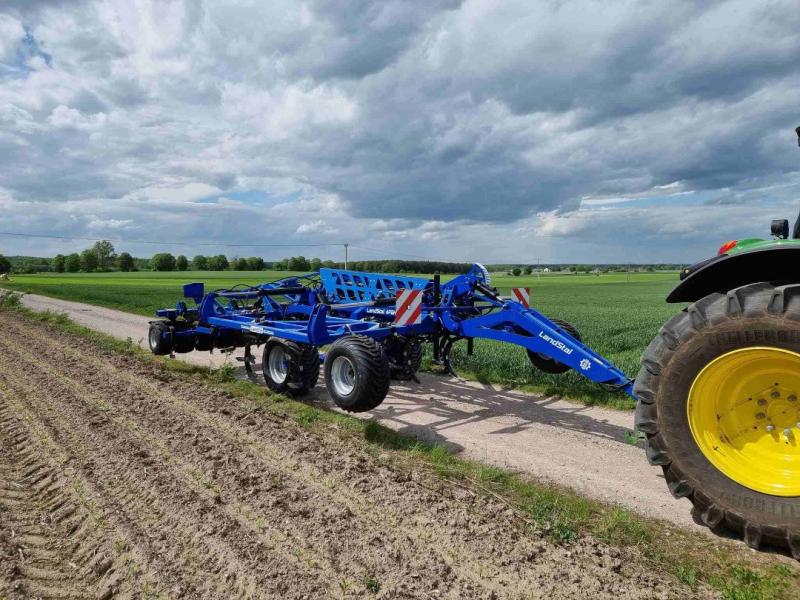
point(719, 390)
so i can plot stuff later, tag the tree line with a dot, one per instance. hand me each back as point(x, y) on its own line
point(102, 256)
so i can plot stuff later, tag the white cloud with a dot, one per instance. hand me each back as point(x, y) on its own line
point(445, 129)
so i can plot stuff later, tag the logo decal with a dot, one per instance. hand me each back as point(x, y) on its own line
point(560, 345)
point(585, 364)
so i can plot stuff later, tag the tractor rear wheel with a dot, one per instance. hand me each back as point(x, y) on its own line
point(289, 367)
point(357, 373)
point(551, 365)
point(159, 338)
point(719, 403)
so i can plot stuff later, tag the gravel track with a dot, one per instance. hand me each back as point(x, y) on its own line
point(119, 479)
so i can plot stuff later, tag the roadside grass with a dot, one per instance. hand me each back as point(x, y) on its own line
point(553, 511)
point(616, 314)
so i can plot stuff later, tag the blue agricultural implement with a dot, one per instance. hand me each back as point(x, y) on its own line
point(372, 325)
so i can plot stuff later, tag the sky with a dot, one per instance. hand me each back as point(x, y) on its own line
point(514, 131)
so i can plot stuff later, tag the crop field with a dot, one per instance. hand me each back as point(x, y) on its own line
point(617, 315)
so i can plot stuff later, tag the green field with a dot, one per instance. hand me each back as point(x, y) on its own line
point(617, 315)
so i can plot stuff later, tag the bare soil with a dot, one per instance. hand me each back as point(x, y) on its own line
point(118, 479)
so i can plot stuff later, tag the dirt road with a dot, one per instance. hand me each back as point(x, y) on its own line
point(574, 445)
point(118, 478)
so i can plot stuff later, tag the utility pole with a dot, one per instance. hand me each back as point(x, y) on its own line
point(538, 268)
point(345, 256)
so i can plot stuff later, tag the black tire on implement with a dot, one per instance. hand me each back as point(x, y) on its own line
point(368, 368)
point(405, 357)
point(551, 365)
point(755, 315)
point(159, 343)
point(302, 367)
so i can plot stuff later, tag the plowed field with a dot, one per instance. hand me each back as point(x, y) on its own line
point(118, 479)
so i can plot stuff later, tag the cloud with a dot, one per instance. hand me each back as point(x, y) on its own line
point(449, 129)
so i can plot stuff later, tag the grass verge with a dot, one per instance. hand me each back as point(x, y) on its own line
point(560, 514)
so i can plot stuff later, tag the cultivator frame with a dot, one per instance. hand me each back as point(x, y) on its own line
point(325, 308)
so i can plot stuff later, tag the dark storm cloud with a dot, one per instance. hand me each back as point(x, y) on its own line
point(445, 112)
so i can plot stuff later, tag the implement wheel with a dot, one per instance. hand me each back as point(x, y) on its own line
point(719, 402)
point(551, 365)
point(357, 373)
point(289, 367)
point(405, 357)
point(159, 338)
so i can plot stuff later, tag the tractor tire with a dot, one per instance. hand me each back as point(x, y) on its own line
point(290, 368)
point(718, 404)
point(405, 357)
point(159, 343)
point(551, 365)
point(357, 373)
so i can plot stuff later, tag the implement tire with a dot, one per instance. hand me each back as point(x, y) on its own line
point(718, 403)
point(357, 373)
point(551, 365)
point(159, 338)
point(290, 368)
point(405, 357)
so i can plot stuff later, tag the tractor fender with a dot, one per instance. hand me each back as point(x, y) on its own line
point(776, 265)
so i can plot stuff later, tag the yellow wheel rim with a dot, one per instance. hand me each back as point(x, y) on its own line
point(744, 413)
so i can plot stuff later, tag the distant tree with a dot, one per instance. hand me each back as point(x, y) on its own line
point(5, 265)
point(255, 263)
point(516, 271)
point(181, 263)
point(241, 264)
point(282, 265)
point(72, 264)
point(218, 263)
point(315, 264)
point(527, 270)
point(125, 262)
point(298, 263)
point(163, 261)
point(104, 251)
point(200, 263)
point(89, 260)
point(59, 262)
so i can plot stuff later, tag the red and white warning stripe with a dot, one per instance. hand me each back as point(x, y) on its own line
point(408, 307)
point(523, 296)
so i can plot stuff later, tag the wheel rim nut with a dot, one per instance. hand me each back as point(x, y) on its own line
point(792, 398)
point(775, 394)
point(760, 416)
point(761, 402)
point(770, 428)
point(787, 432)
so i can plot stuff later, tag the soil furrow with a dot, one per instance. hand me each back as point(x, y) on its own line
point(144, 485)
point(49, 536)
point(223, 500)
point(220, 464)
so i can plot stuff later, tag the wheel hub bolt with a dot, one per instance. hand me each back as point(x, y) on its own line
point(761, 416)
point(775, 394)
point(792, 398)
point(761, 402)
point(787, 432)
point(770, 428)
